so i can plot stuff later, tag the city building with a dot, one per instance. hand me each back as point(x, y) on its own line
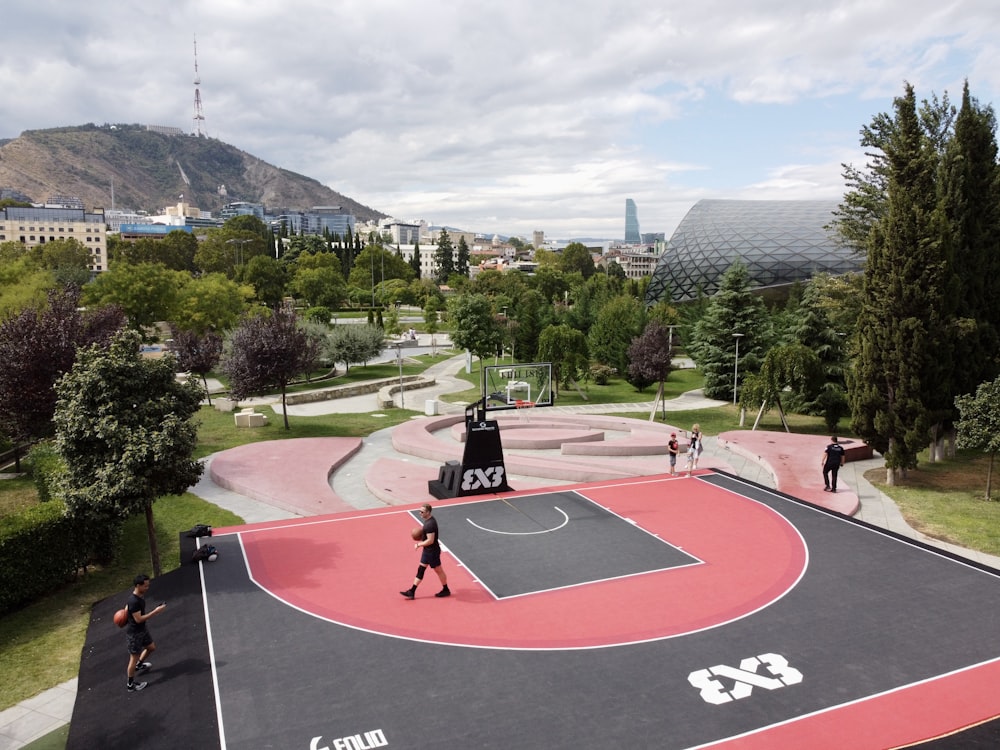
point(319, 220)
point(242, 208)
point(132, 232)
point(780, 243)
point(632, 236)
point(401, 232)
point(36, 226)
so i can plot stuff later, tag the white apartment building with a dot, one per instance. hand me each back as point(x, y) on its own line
point(36, 226)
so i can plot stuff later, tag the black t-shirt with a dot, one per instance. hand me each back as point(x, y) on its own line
point(135, 603)
point(431, 527)
point(834, 455)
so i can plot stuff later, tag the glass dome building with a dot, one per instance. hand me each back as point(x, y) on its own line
point(780, 242)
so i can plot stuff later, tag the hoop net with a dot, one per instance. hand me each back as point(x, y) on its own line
point(524, 410)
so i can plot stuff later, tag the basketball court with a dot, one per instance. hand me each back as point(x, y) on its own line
point(703, 612)
point(630, 611)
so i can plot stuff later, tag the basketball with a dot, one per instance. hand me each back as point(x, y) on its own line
point(121, 617)
point(417, 533)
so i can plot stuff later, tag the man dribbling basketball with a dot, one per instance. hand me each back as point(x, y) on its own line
point(430, 555)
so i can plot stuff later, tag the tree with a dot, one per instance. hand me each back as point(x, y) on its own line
point(901, 330)
point(147, 292)
point(531, 316)
point(266, 352)
point(175, 250)
point(209, 303)
point(68, 259)
point(649, 357)
point(979, 423)
point(576, 257)
point(734, 309)
point(793, 367)
point(38, 347)
point(475, 327)
point(415, 259)
point(431, 308)
point(566, 348)
point(970, 201)
point(124, 431)
point(375, 264)
point(322, 286)
point(444, 258)
point(353, 343)
point(815, 331)
point(268, 278)
point(462, 258)
point(197, 353)
point(617, 323)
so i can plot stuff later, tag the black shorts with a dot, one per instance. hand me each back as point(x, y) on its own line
point(431, 556)
point(138, 641)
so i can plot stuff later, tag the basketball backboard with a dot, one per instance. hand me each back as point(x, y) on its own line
point(517, 385)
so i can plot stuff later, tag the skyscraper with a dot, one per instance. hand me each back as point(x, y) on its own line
point(632, 235)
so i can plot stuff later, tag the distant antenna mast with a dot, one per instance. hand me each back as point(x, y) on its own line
point(199, 116)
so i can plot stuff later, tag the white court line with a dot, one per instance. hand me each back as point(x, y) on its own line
point(524, 533)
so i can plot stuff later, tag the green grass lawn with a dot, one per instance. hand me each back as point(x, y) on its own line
point(947, 501)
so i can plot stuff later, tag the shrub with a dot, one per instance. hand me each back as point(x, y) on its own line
point(46, 467)
point(600, 374)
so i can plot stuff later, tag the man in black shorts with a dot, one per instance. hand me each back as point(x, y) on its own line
point(137, 636)
point(430, 557)
point(833, 458)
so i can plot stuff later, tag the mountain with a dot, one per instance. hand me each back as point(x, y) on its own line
point(149, 170)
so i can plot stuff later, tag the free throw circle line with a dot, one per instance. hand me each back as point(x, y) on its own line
point(523, 533)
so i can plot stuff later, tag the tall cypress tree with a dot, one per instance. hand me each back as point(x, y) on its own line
point(970, 205)
point(415, 260)
point(444, 258)
point(901, 329)
point(462, 259)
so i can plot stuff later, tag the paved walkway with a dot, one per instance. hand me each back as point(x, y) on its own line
point(51, 709)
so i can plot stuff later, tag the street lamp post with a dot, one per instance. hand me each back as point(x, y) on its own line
point(399, 360)
point(239, 243)
point(736, 364)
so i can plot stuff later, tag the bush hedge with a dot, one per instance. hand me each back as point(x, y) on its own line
point(41, 548)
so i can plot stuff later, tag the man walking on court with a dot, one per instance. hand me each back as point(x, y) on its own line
point(430, 556)
point(833, 458)
point(137, 636)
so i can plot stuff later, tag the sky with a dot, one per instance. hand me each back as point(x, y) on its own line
point(514, 116)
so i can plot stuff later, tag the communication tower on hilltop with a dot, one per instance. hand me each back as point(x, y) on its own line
point(199, 116)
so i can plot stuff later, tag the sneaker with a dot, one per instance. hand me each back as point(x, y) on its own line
point(826, 489)
point(134, 687)
point(443, 592)
point(409, 593)
point(142, 666)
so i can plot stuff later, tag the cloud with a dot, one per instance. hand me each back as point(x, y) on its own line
point(515, 116)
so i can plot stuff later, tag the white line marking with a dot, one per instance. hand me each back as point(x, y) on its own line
point(523, 533)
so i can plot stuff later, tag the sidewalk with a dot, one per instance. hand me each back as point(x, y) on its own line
point(51, 709)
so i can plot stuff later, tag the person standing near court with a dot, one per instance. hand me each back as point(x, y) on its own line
point(833, 458)
point(673, 448)
point(694, 448)
point(137, 635)
point(430, 556)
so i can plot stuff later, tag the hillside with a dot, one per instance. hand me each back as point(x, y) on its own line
point(150, 171)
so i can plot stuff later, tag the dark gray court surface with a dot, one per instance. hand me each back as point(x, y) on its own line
point(872, 616)
point(549, 541)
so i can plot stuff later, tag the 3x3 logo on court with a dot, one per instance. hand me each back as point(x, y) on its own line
point(722, 683)
point(474, 479)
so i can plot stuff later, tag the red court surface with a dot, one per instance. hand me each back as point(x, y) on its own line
point(781, 625)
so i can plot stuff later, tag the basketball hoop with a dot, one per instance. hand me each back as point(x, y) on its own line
point(523, 409)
